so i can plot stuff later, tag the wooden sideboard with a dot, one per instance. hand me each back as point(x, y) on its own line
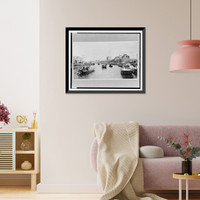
point(12, 156)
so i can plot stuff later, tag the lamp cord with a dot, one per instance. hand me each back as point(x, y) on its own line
point(190, 19)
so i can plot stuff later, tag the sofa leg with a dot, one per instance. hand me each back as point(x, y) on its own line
point(180, 189)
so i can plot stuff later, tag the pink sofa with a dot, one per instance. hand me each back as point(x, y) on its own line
point(158, 171)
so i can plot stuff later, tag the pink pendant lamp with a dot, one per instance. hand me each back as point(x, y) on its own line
point(188, 56)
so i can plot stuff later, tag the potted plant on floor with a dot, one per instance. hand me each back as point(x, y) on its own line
point(185, 150)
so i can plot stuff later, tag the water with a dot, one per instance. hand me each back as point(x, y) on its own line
point(99, 73)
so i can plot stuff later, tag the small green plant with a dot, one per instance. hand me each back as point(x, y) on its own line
point(26, 136)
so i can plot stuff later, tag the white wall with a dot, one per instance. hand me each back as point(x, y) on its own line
point(19, 57)
point(19, 64)
point(67, 125)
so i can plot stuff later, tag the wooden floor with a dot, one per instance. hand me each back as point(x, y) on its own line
point(23, 193)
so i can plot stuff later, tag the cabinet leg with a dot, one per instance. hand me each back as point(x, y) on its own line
point(187, 188)
point(180, 189)
point(33, 181)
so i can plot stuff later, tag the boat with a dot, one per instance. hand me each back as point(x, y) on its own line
point(127, 71)
point(104, 66)
point(84, 71)
point(110, 65)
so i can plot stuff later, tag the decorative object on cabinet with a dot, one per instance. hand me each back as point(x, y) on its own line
point(26, 144)
point(19, 156)
point(34, 124)
point(22, 120)
point(26, 165)
point(188, 56)
point(4, 114)
point(187, 167)
point(185, 150)
point(93, 66)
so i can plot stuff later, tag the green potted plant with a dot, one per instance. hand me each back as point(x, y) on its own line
point(185, 150)
point(26, 144)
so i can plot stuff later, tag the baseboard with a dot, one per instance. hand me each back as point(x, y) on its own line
point(68, 188)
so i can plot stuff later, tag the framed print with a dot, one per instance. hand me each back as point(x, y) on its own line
point(105, 60)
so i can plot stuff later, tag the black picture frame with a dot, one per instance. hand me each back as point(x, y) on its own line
point(105, 60)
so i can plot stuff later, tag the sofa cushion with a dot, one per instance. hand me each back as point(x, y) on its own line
point(158, 173)
point(151, 152)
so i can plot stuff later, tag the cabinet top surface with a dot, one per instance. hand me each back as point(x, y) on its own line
point(186, 177)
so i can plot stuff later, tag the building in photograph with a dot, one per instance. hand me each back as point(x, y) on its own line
point(77, 60)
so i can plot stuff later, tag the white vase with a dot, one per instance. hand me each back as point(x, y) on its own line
point(26, 165)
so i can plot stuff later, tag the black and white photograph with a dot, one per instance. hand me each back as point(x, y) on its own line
point(105, 60)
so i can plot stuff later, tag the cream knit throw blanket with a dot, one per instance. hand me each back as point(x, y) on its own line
point(119, 167)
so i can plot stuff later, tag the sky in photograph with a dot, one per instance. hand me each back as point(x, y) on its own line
point(92, 51)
